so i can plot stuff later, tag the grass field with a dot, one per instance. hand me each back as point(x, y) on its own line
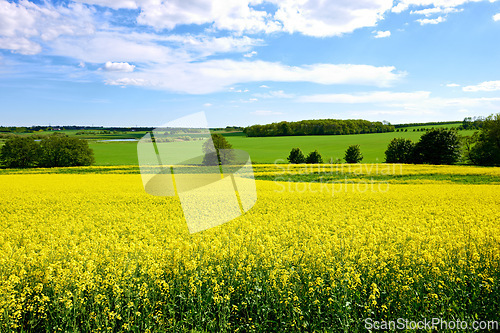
point(91, 251)
point(268, 150)
point(265, 149)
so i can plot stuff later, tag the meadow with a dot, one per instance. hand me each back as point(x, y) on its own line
point(90, 251)
point(272, 149)
point(263, 149)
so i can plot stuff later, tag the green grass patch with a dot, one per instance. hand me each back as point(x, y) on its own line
point(274, 149)
point(261, 149)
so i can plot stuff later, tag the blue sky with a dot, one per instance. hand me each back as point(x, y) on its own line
point(146, 62)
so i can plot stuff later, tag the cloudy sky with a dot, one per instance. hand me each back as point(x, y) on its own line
point(145, 62)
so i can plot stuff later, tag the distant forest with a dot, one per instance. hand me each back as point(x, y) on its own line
point(319, 127)
point(467, 124)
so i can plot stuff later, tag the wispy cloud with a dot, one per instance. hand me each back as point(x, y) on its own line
point(118, 67)
point(382, 34)
point(250, 54)
point(217, 75)
point(366, 97)
point(394, 102)
point(431, 21)
point(484, 86)
point(436, 10)
point(433, 6)
point(274, 94)
point(128, 82)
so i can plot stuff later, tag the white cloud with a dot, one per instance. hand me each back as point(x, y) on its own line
point(218, 75)
point(115, 4)
point(435, 10)
point(25, 26)
point(147, 47)
point(264, 86)
point(107, 45)
point(266, 113)
point(446, 4)
point(127, 82)
point(453, 85)
point(275, 94)
point(207, 105)
point(250, 54)
point(484, 86)
point(366, 97)
point(412, 104)
point(382, 34)
point(309, 17)
point(329, 18)
point(496, 17)
point(208, 45)
point(118, 67)
point(222, 14)
point(76, 31)
point(431, 21)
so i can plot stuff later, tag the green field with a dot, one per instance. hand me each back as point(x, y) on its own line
point(271, 149)
point(264, 149)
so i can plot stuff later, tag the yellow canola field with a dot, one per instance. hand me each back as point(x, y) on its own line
point(94, 252)
point(376, 169)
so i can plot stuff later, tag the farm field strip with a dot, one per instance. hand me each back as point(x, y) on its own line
point(391, 173)
point(99, 254)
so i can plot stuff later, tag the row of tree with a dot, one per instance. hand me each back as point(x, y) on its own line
point(436, 146)
point(425, 124)
point(352, 155)
point(447, 147)
point(319, 127)
point(56, 150)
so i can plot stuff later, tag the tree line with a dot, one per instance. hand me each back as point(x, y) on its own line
point(352, 155)
point(56, 150)
point(436, 146)
point(425, 124)
point(318, 127)
point(443, 146)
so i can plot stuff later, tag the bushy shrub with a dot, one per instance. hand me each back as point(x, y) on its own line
point(353, 154)
point(487, 149)
point(438, 146)
point(63, 151)
point(399, 150)
point(52, 151)
point(314, 157)
point(296, 156)
point(20, 152)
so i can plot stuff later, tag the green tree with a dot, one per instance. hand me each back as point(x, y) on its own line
point(20, 152)
point(59, 150)
point(468, 141)
point(399, 150)
point(353, 154)
point(222, 152)
point(487, 149)
point(314, 157)
point(438, 146)
point(296, 156)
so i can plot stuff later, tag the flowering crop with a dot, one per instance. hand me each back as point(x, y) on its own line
point(94, 252)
